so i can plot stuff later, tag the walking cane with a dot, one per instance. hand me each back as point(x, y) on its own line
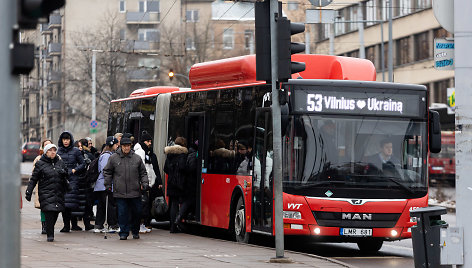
point(106, 216)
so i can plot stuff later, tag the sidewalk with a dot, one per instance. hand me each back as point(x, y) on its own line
point(156, 249)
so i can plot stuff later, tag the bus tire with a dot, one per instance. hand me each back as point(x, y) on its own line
point(239, 230)
point(370, 246)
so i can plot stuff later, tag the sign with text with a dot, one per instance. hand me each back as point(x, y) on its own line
point(357, 103)
point(443, 54)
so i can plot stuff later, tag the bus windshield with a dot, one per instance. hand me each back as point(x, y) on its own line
point(354, 152)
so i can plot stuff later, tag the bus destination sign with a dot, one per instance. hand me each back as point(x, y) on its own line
point(356, 103)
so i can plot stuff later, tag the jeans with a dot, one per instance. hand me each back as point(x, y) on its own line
point(129, 215)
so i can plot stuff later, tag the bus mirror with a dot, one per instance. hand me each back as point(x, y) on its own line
point(434, 132)
point(284, 118)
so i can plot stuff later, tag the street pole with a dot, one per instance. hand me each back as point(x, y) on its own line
point(277, 136)
point(10, 143)
point(331, 38)
point(382, 53)
point(361, 32)
point(390, 41)
point(463, 112)
point(94, 89)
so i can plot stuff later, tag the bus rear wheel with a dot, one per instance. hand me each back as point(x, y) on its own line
point(370, 246)
point(239, 230)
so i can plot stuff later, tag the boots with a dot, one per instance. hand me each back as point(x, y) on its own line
point(43, 227)
point(50, 238)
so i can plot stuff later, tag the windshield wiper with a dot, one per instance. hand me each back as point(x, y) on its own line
point(394, 180)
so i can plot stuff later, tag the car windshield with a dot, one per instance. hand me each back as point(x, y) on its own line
point(32, 146)
point(356, 152)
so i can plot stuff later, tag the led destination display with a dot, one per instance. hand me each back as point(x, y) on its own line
point(357, 103)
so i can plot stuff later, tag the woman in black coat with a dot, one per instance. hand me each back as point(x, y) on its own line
point(175, 167)
point(50, 173)
point(75, 199)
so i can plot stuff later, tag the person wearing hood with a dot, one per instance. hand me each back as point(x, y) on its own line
point(127, 173)
point(88, 158)
point(176, 168)
point(149, 158)
point(75, 198)
point(50, 173)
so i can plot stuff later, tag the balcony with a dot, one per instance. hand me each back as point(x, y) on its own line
point(45, 28)
point(54, 77)
point(54, 105)
point(142, 75)
point(55, 48)
point(141, 46)
point(142, 18)
point(55, 21)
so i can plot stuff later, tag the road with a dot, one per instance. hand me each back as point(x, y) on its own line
point(392, 254)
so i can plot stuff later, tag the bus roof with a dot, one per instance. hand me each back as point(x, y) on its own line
point(241, 71)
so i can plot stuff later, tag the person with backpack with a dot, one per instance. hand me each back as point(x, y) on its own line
point(175, 167)
point(95, 175)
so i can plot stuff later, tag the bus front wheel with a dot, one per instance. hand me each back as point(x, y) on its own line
point(239, 230)
point(370, 245)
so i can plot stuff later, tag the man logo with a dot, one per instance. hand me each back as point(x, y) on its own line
point(356, 201)
point(357, 216)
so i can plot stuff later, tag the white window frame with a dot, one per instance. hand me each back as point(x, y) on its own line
point(192, 16)
point(190, 43)
point(124, 6)
point(228, 33)
point(146, 32)
point(145, 6)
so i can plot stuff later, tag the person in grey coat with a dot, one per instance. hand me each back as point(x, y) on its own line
point(126, 172)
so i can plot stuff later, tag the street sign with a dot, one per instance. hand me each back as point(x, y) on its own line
point(93, 131)
point(444, 54)
point(451, 98)
point(93, 123)
point(320, 15)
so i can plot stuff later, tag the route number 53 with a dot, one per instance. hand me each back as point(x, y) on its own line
point(314, 102)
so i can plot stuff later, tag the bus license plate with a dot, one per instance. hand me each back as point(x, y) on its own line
point(356, 232)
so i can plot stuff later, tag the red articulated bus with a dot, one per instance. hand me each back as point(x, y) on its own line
point(334, 124)
point(442, 166)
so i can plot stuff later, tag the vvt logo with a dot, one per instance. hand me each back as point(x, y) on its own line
point(294, 206)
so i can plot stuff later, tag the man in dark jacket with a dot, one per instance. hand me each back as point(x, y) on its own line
point(75, 198)
point(126, 172)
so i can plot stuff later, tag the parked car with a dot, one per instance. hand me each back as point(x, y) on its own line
point(30, 150)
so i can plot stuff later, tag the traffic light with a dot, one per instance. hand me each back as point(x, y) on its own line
point(171, 74)
point(285, 47)
point(29, 12)
point(262, 15)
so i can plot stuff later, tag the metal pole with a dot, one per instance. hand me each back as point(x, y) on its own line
point(94, 88)
point(10, 142)
point(277, 136)
point(382, 51)
point(390, 42)
point(331, 39)
point(463, 112)
point(361, 32)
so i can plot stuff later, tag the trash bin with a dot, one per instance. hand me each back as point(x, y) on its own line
point(425, 236)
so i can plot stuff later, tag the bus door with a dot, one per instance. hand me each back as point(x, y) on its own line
point(195, 130)
point(262, 175)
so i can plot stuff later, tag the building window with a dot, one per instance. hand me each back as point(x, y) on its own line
point(190, 43)
point(149, 63)
point(404, 8)
point(403, 50)
point(371, 12)
point(122, 34)
point(191, 15)
point(291, 5)
point(340, 26)
point(353, 54)
point(421, 4)
point(248, 39)
point(370, 54)
point(422, 46)
point(148, 35)
point(122, 6)
point(228, 39)
point(440, 91)
point(149, 6)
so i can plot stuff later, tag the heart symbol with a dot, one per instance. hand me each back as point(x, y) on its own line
point(360, 104)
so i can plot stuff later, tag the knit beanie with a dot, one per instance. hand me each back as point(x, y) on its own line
point(48, 147)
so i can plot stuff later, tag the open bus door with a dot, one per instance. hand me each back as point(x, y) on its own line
point(262, 183)
point(195, 131)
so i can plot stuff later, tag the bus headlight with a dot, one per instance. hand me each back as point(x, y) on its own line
point(393, 233)
point(292, 215)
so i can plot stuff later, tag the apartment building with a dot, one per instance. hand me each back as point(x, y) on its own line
point(414, 29)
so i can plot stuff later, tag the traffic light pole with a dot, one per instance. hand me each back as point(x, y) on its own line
point(10, 144)
point(277, 137)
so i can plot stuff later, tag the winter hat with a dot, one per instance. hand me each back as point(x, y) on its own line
point(146, 137)
point(111, 141)
point(125, 141)
point(48, 147)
